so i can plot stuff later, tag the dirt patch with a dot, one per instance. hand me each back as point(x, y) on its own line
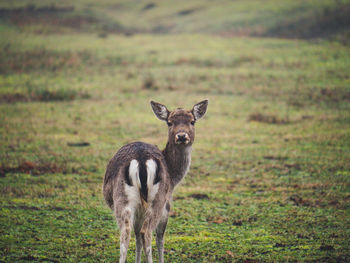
point(78, 144)
point(243, 60)
point(44, 95)
point(278, 158)
point(199, 196)
point(216, 219)
point(299, 201)
point(149, 6)
point(46, 15)
point(326, 248)
point(295, 166)
point(334, 94)
point(29, 258)
point(281, 168)
point(178, 198)
point(173, 213)
point(24, 207)
point(186, 12)
point(40, 59)
point(76, 22)
point(199, 62)
point(230, 253)
point(234, 63)
point(279, 245)
point(149, 83)
point(267, 118)
point(331, 96)
point(12, 98)
point(238, 222)
point(43, 60)
point(56, 208)
point(34, 208)
point(29, 167)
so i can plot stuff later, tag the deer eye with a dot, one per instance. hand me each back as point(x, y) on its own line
point(169, 124)
point(192, 122)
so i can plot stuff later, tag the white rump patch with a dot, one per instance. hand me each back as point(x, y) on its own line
point(134, 173)
point(151, 174)
point(132, 192)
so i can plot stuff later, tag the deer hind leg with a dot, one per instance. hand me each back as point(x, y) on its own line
point(137, 229)
point(138, 247)
point(146, 239)
point(153, 216)
point(125, 223)
point(160, 230)
point(150, 222)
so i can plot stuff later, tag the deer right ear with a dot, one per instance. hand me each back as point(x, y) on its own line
point(160, 110)
point(200, 109)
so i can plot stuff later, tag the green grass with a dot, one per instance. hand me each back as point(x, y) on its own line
point(288, 18)
point(271, 159)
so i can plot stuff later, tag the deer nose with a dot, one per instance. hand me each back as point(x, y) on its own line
point(182, 137)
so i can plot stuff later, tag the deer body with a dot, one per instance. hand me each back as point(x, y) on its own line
point(140, 179)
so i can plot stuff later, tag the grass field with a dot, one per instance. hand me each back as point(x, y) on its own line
point(270, 174)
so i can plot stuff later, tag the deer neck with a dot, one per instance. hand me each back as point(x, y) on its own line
point(178, 160)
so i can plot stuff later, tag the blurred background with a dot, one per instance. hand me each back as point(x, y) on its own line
point(269, 179)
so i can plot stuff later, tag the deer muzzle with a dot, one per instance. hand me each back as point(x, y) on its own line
point(182, 138)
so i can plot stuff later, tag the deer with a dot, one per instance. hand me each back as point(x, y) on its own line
point(140, 179)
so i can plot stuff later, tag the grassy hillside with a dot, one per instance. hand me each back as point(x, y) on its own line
point(269, 180)
point(291, 19)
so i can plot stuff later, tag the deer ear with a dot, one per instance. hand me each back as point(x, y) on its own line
point(200, 109)
point(160, 110)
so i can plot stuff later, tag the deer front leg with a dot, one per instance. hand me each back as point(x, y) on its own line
point(160, 239)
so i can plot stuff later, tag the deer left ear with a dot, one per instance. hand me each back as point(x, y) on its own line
point(160, 110)
point(200, 109)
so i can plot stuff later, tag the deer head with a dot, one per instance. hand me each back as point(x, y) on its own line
point(180, 122)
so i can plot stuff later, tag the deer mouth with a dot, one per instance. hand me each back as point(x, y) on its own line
point(182, 138)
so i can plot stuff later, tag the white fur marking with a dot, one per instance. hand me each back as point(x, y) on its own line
point(149, 252)
point(122, 249)
point(134, 173)
point(132, 192)
point(122, 253)
point(133, 197)
point(151, 173)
